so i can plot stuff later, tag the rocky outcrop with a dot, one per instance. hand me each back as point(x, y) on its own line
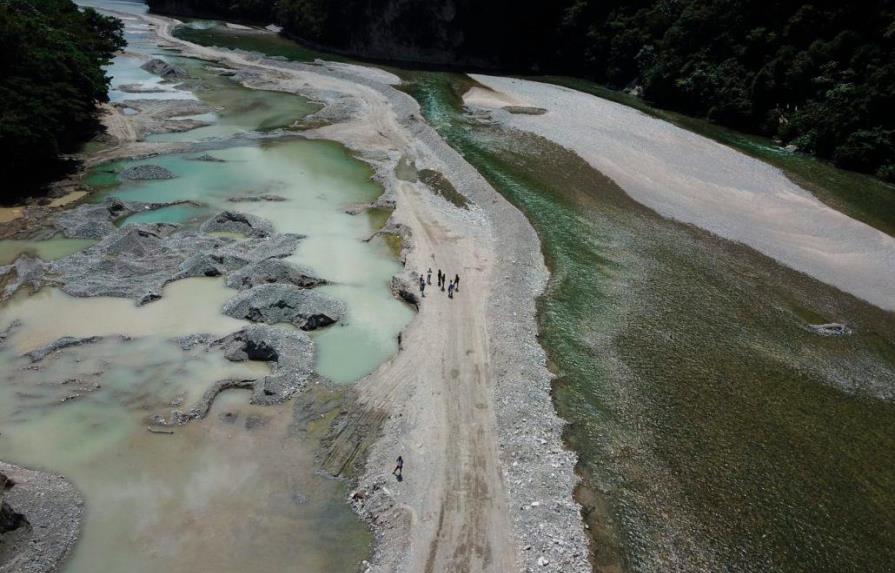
point(164, 69)
point(138, 261)
point(95, 221)
point(271, 271)
point(232, 222)
point(289, 352)
point(146, 173)
point(285, 303)
point(24, 271)
point(40, 519)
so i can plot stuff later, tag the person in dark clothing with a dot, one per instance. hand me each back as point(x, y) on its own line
point(399, 468)
point(422, 286)
point(451, 290)
point(457, 282)
point(443, 279)
point(429, 276)
point(440, 277)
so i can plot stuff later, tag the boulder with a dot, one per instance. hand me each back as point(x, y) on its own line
point(405, 288)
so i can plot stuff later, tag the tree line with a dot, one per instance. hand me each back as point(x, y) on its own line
point(51, 80)
point(819, 75)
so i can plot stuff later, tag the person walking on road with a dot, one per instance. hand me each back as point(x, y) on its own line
point(451, 290)
point(457, 283)
point(398, 472)
point(422, 287)
point(429, 276)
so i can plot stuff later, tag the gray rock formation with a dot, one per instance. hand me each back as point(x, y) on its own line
point(272, 271)
point(138, 261)
point(97, 221)
point(146, 173)
point(289, 352)
point(164, 69)
point(93, 221)
point(9, 519)
point(24, 271)
point(285, 303)
point(232, 222)
point(42, 515)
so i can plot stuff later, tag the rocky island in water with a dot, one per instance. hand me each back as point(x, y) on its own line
point(286, 286)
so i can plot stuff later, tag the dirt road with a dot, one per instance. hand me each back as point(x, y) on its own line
point(440, 387)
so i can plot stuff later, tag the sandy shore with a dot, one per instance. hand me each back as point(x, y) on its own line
point(693, 179)
point(488, 485)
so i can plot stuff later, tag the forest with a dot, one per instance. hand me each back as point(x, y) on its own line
point(819, 76)
point(51, 81)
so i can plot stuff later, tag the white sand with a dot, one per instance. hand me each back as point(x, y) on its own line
point(484, 97)
point(693, 179)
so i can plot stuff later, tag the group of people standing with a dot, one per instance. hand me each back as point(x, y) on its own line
point(452, 286)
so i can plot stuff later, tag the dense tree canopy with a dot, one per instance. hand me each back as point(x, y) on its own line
point(51, 79)
point(819, 74)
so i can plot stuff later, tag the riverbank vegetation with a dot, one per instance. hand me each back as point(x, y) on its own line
point(51, 81)
point(818, 76)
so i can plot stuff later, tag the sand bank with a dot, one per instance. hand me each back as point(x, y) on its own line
point(687, 177)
